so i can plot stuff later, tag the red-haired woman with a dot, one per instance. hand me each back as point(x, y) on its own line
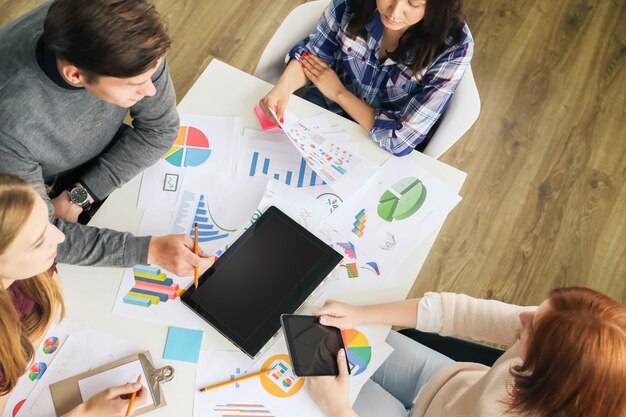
point(390, 65)
point(567, 358)
point(30, 297)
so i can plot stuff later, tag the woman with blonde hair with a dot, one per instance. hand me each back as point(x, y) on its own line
point(30, 297)
point(566, 358)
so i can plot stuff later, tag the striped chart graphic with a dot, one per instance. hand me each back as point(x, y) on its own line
point(249, 410)
point(351, 269)
point(359, 224)
point(151, 287)
point(207, 229)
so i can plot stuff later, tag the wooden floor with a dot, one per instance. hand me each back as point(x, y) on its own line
point(544, 204)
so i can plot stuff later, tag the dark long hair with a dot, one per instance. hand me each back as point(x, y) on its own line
point(418, 47)
point(576, 360)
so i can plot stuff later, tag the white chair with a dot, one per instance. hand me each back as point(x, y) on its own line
point(301, 22)
point(460, 115)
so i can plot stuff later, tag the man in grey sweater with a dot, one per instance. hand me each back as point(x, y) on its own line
point(70, 71)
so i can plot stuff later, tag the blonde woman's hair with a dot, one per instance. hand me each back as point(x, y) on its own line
point(17, 199)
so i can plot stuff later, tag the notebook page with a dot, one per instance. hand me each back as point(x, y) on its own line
point(121, 375)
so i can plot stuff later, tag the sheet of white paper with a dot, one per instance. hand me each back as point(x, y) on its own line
point(219, 366)
point(120, 375)
point(308, 205)
point(168, 310)
point(357, 271)
point(224, 206)
point(204, 144)
point(44, 354)
point(338, 164)
point(79, 341)
point(395, 210)
point(272, 154)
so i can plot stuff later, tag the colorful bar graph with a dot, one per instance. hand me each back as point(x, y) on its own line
point(266, 166)
point(359, 223)
point(288, 179)
point(151, 287)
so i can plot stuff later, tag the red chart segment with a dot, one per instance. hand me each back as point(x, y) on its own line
point(190, 149)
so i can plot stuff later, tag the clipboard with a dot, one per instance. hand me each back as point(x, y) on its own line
point(66, 394)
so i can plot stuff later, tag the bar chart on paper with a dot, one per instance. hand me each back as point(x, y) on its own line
point(194, 208)
point(278, 160)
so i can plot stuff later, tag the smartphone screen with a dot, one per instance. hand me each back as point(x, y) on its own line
point(312, 346)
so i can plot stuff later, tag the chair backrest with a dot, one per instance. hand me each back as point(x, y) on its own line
point(297, 25)
point(460, 115)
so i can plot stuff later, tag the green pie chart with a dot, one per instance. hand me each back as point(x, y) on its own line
point(401, 200)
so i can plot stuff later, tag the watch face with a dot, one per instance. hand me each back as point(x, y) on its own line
point(78, 195)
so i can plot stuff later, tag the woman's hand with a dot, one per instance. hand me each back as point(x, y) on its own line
point(322, 76)
point(338, 314)
point(330, 393)
point(109, 403)
point(276, 100)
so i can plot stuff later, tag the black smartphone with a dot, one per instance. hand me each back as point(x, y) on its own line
point(312, 346)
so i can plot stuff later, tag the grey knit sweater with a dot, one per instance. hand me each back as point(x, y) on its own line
point(47, 130)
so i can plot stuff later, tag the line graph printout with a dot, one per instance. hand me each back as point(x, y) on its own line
point(309, 206)
point(337, 163)
point(222, 208)
point(272, 154)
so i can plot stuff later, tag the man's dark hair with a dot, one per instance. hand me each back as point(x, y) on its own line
point(115, 38)
point(419, 46)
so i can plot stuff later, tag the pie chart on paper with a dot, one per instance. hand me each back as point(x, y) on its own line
point(190, 149)
point(50, 345)
point(358, 350)
point(37, 370)
point(401, 200)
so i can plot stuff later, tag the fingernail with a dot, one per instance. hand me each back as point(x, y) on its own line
point(137, 385)
point(323, 320)
point(342, 352)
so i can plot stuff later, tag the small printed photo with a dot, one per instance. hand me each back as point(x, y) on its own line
point(171, 182)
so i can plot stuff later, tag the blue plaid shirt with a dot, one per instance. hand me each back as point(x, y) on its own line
point(406, 106)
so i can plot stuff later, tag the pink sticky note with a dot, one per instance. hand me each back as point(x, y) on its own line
point(265, 123)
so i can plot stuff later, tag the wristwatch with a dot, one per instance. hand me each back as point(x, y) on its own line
point(79, 196)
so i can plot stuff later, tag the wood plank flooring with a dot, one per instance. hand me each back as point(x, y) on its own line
point(544, 204)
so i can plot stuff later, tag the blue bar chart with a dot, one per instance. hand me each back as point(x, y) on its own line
point(278, 159)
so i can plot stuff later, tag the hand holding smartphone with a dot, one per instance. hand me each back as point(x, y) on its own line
point(312, 346)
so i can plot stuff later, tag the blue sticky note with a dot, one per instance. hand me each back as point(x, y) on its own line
point(183, 344)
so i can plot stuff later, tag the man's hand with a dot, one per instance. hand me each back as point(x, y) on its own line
point(64, 209)
point(322, 76)
point(330, 393)
point(175, 253)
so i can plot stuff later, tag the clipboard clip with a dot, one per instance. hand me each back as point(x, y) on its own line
point(155, 377)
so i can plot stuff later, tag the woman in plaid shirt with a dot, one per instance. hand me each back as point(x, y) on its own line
point(390, 65)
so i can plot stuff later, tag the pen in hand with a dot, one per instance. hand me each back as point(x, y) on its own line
point(132, 398)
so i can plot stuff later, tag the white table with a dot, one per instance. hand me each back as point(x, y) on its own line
point(221, 90)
